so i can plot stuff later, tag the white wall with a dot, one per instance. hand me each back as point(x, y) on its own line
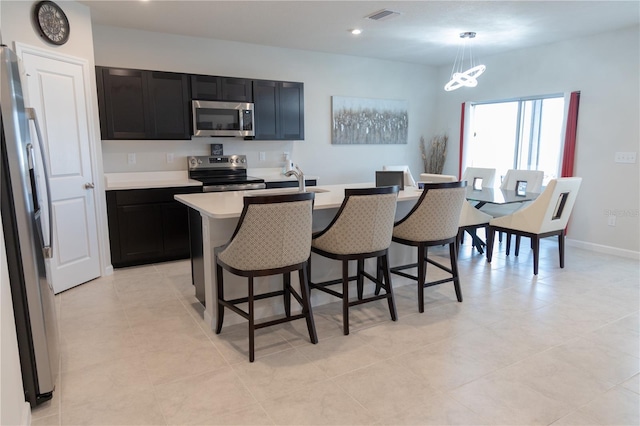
point(323, 75)
point(605, 68)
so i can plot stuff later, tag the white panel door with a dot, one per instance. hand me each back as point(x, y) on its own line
point(56, 90)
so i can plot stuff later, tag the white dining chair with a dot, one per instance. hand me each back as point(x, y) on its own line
point(485, 176)
point(546, 216)
point(436, 178)
point(533, 179)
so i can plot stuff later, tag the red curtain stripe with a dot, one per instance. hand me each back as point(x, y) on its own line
point(568, 155)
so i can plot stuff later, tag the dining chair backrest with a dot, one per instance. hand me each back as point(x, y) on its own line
point(533, 178)
point(436, 215)
point(487, 176)
point(436, 178)
point(363, 224)
point(273, 232)
point(550, 211)
point(408, 178)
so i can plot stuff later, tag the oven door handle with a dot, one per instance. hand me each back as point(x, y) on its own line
point(233, 187)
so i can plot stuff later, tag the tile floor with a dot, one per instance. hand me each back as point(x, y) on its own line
point(562, 348)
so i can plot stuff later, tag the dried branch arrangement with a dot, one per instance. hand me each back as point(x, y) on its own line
point(433, 157)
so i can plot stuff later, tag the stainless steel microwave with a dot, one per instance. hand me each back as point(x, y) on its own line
point(211, 118)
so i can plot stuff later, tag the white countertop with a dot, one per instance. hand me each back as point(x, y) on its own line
point(144, 180)
point(171, 179)
point(222, 205)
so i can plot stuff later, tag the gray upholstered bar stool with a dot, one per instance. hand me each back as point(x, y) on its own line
point(360, 230)
point(273, 237)
point(433, 221)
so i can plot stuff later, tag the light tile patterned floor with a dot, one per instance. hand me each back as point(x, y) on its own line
point(561, 348)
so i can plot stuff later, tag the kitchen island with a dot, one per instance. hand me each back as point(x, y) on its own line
point(219, 214)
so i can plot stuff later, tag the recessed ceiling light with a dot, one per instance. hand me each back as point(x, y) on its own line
point(356, 31)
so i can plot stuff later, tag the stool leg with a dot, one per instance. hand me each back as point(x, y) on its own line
point(306, 308)
point(251, 322)
point(360, 278)
point(517, 252)
point(345, 296)
point(387, 280)
point(286, 289)
point(454, 270)
point(379, 272)
point(220, 296)
point(422, 275)
point(508, 242)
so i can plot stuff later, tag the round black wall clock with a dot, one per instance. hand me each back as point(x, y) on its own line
point(51, 22)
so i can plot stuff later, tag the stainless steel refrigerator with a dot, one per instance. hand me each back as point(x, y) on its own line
point(25, 210)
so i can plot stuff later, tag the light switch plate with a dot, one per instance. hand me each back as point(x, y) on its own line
point(625, 157)
point(131, 158)
point(263, 156)
point(169, 157)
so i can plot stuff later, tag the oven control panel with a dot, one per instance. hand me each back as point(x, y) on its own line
point(217, 162)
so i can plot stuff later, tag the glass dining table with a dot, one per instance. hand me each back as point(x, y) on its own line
point(496, 196)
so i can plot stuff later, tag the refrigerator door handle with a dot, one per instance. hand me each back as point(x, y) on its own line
point(31, 114)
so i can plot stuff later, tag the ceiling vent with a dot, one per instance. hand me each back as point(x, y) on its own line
point(382, 15)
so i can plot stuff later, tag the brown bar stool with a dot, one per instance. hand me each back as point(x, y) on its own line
point(273, 237)
point(433, 221)
point(361, 229)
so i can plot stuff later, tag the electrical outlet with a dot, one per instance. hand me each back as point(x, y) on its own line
point(625, 157)
point(131, 158)
point(263, 156)
point(169, 157)
point(285, 156)
point(611, 220)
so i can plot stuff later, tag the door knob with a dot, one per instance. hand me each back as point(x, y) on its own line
point(89, 185)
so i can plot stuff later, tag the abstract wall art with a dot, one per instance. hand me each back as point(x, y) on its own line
point(368, 121)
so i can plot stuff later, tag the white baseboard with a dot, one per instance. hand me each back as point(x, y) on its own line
point(108, 270)
point(604, 249)
point(26, 414)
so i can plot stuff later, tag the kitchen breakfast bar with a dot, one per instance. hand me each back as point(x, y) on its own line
point(219, 213)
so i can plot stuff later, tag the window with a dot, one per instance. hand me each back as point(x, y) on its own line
point(517, 134)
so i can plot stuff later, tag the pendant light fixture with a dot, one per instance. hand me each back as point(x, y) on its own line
point(459, 77)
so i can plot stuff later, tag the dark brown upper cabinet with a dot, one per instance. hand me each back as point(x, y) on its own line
point(279, 110)
point(140, 104)
point(228, 89)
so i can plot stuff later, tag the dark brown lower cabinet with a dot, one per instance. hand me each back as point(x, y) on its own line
point(290, 183)
point(148, 225)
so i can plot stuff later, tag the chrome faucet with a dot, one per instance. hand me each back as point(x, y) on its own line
point(298, 174)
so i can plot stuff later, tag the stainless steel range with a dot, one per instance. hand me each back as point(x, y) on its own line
point(223, 173)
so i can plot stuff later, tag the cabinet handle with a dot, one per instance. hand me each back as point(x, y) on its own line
point(89, 185)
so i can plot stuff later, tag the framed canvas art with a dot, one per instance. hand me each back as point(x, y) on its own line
point(368, 121)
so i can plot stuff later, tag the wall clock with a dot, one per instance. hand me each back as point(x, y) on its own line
point(52, 23)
